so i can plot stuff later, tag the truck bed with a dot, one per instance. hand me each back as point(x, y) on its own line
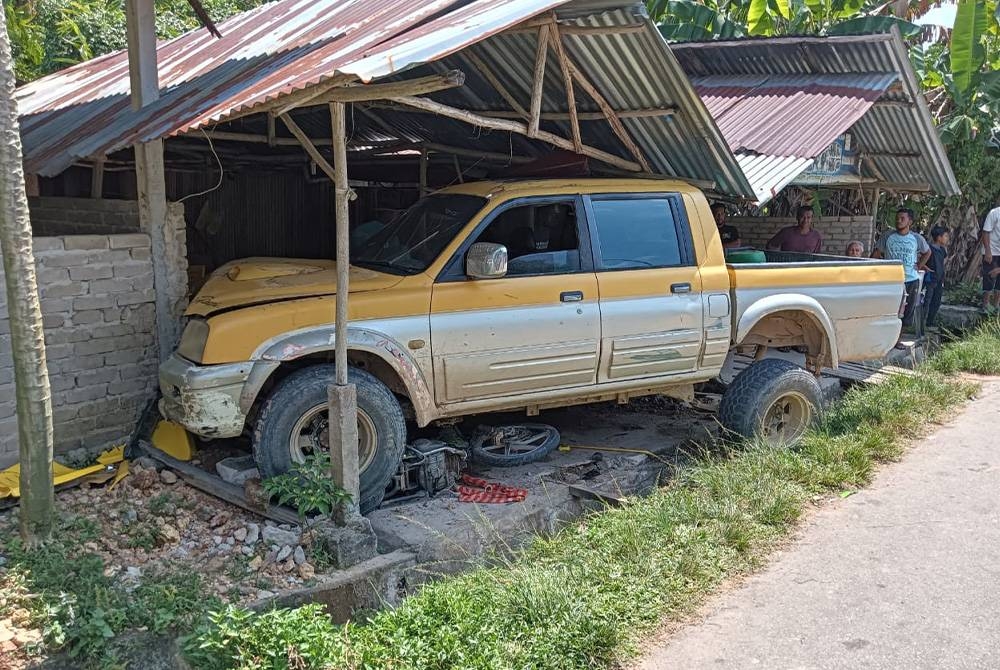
point(859, 297)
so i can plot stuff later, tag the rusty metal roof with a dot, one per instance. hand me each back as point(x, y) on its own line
point(292, 45)
point(780, 102)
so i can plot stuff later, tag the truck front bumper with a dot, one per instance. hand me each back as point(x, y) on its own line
point(205, 399)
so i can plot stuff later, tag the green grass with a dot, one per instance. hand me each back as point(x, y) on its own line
point(978, 353)
point(79, 608)
point(584, 598)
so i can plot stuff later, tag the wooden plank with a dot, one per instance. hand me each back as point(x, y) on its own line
point(419, 86)
point(586, 493)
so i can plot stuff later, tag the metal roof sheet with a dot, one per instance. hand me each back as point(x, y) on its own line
point(898, 141)
point(291, 45)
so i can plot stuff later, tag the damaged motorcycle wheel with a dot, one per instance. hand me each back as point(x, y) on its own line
point(506, 446)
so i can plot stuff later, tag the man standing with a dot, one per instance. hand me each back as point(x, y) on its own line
point(990, 238)
point(801, 238)
point(910, 248)
point(729, 234)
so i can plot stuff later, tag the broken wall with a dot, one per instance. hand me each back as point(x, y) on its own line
point(836, 231)
point(97, 299)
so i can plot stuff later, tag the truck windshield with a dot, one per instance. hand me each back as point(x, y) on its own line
point(410, 244)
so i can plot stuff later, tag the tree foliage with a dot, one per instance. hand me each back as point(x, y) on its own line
point(48, 35)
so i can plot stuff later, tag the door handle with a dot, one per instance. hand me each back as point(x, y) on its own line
point(571, 296)
point(682, 287)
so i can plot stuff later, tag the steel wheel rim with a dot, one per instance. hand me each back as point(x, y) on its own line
point(524, 440)
point(787, 418)
point(311, 433)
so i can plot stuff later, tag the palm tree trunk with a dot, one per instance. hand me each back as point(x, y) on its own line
point(31, 378)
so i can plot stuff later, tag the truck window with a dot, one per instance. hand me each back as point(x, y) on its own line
point(540, 239)
point(635, 233)
point(414, 241)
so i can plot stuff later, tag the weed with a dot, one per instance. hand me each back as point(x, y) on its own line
point(80, 528)
point(978, 353)
point(163, 503)
point(966, 293)
point(308, 486)
point(143, 536)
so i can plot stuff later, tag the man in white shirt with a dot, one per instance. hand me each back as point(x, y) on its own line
point(990, 238)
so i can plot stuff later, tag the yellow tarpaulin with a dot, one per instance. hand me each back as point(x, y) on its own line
point(10, 485)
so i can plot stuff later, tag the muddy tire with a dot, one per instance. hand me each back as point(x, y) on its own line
point(292, 424)
point(772, 399)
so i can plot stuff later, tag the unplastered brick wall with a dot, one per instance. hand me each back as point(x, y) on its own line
point(836, 231)
point(82, 216)
point(98, 308)
point(100, 338)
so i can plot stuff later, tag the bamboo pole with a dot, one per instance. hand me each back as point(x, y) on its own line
point(419, 86)
point(565, 116)
point(514, 127)
point(423, 171)
point(538, 80)
point(567, 75)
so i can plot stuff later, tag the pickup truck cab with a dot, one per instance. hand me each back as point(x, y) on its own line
point(519, 295)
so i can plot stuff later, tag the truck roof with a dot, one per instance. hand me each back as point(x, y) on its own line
point(572, 185)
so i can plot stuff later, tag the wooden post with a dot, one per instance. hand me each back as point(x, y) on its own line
point(343, 418)
point(567, 75)
point(423, 171)
point(97, 178)
point(149, 170)
point(539, 80)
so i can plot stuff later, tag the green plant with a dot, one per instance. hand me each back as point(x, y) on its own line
point(308, 486)
point(978, 353)
point(967, 293)
point(164, 503)
point(279, 640)
point(143, 536)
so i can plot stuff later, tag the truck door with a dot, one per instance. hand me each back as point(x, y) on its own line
point(649, 283)
point(535, 329)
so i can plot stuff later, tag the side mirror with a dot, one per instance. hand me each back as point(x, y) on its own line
point(486, 260)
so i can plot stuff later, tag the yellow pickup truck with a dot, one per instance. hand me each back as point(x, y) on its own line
point(519, 295)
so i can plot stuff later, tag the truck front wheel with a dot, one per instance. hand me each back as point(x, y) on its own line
point(772, 399)
point(293, 424)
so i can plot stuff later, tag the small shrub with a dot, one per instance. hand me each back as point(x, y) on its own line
point(308, 487)
point(978, 353)
point(969, 294)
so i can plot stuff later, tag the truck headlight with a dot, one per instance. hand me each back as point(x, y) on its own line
point(193, 340)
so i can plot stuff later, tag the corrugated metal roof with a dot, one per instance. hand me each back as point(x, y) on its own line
point(899, 144)
point(769, 174)
point(291, 45)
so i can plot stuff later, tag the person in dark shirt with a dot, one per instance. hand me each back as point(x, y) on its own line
point(934, 273)
point(729, 234)
point(801, 238)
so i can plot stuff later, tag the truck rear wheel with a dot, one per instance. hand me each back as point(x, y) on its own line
point(293, 424)
point(772, 399)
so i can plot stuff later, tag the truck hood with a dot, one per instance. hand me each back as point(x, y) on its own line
point(255, 281)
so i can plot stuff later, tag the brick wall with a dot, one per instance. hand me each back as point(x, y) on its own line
point(836, 231)
point(83, 216)
point(99, 314)
point(97, 305)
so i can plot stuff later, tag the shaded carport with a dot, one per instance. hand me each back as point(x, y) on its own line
point(313, 87)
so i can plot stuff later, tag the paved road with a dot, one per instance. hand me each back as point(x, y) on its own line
point(905, 574)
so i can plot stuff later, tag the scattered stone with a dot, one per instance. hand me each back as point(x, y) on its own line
point(307, 571)
point(299, 555)
point(246, 550)
point(256, 563)
point(168, 477)
point(204, 513)
point(217, 539)
point(237, 469)
point(253, 533)
point(220, 519)
point(279, 536)
point(240, 535)
point(142, 480)
point(264, 594)
point(169, 533)
point(285, 552)
point(132, 572)
point(288, 565)
point(148, 463)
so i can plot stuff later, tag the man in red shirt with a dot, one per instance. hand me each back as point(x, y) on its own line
point(801, 238)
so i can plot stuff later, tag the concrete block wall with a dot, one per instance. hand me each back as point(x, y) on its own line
point(836, 231)
point(99, 314)
point(83, 216)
